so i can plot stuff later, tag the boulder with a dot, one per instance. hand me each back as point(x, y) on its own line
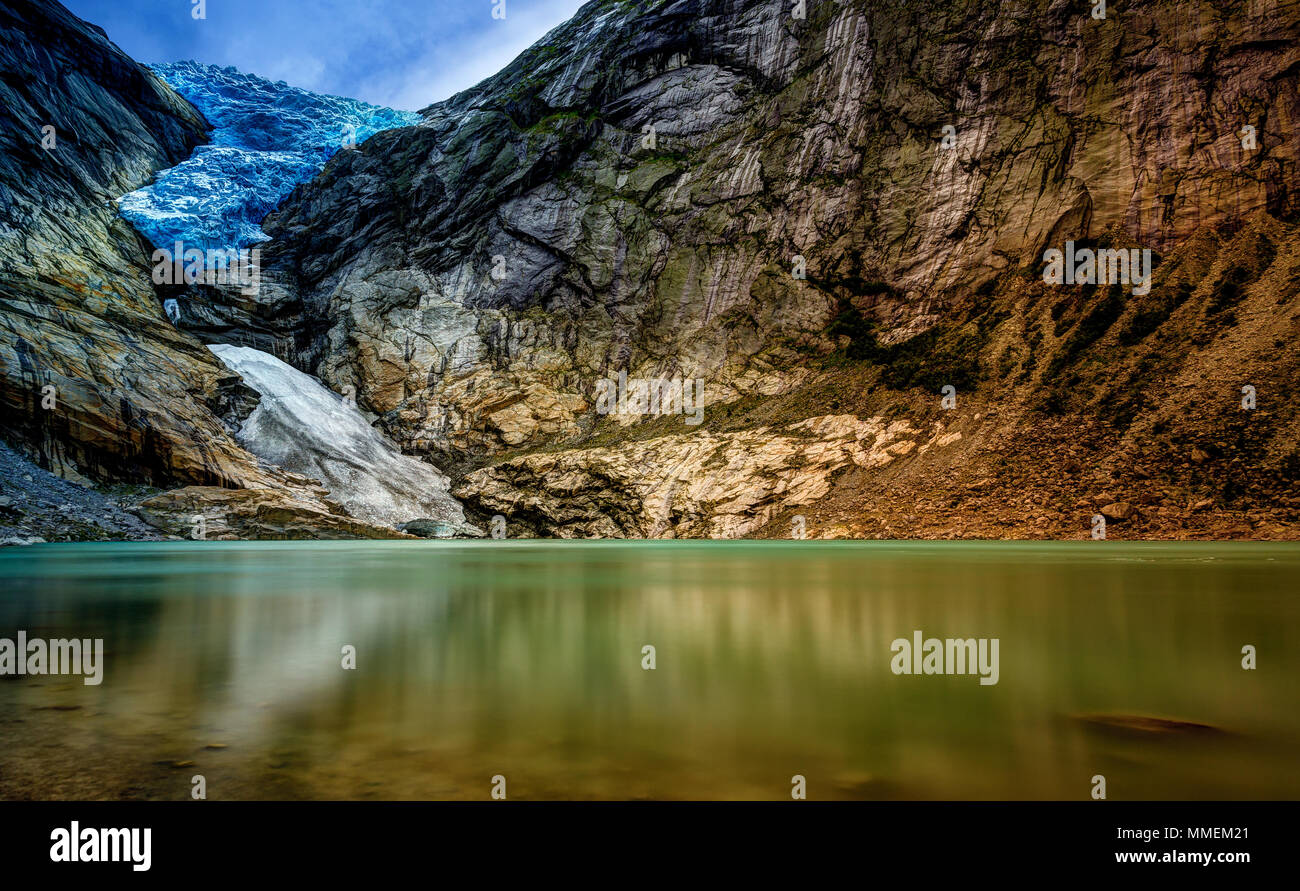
point(1119, 511)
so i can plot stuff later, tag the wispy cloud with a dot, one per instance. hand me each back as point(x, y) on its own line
point(477, 55)
point(390, 52)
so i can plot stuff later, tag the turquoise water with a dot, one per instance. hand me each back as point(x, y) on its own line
point(524, 660)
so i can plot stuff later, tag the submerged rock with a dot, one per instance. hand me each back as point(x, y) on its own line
point(1146, 724)
point(437, 529)
point(303, 427)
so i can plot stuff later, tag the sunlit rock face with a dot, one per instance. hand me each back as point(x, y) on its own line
point(266, 138)
point(702, 486)
point(303, 427)
point(95, 380)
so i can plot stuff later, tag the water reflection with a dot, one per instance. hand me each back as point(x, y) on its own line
point(524, 659)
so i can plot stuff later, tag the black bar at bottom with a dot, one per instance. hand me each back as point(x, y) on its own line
point(330, 841)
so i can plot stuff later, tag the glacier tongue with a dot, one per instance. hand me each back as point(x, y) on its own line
point(267, 137)
point(306, 428)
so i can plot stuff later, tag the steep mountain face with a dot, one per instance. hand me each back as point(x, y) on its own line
point(131, 397)
point(826, 220)
point(95, 382)
point(266, 138)
point(688, 268)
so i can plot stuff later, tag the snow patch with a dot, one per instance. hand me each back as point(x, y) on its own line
point(304, 427)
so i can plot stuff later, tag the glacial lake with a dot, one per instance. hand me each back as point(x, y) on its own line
point(524, 660)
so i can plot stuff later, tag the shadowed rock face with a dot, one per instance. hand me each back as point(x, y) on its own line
point(475, 276)
point(132, 397)
point(94, 380)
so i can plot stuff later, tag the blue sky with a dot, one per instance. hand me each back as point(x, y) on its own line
point(401, 53)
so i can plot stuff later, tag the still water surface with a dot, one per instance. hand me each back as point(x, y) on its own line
point(524, 659)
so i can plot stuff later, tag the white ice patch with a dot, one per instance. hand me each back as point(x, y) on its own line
point(304, 427)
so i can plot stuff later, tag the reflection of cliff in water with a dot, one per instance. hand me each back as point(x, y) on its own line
point(772, 660)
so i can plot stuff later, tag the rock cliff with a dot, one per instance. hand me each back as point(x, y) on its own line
point(838, 213)
point(129, 397)
point(95, 381)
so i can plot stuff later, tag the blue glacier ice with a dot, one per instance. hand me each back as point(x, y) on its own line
point(267, 137)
